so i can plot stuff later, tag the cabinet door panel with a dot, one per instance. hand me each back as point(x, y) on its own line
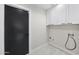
point(56, 15)
point(74, 13)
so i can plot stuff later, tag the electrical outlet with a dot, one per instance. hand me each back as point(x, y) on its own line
point(51, 38)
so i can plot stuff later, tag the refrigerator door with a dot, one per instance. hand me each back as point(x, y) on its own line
point(16, 31)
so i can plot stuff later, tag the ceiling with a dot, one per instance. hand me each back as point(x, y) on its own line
point(45, 6)
point(42, 6)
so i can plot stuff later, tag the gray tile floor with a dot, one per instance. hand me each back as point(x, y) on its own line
point(47, 50)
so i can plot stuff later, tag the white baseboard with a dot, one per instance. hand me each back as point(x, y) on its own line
point(56, 46)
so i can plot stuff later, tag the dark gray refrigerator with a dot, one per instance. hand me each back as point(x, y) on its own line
point(16, 31)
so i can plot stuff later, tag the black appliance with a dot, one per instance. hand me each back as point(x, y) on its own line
point(16, 31)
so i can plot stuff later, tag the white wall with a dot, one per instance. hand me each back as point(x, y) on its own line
point(60, 34)
point(38, 27)
point(1, 29)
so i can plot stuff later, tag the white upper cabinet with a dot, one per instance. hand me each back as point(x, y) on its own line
point(73, 14)
point(68, 13)
point(56, 15)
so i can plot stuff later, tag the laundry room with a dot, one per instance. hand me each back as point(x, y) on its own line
point(39, 29)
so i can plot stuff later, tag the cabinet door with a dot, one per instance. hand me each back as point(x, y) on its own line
point(74, 13)
point(56, 15)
